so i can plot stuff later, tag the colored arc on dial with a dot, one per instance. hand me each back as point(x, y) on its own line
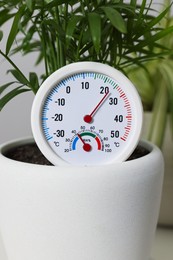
point(97, 139)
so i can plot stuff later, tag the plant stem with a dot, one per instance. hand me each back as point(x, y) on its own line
point(61, 61)
point(43, 39)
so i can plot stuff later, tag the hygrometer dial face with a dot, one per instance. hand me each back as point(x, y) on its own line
point(87, 114)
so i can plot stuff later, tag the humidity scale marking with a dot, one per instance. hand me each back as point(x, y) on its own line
point(87, 114)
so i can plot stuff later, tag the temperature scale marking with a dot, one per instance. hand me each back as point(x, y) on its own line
point(128, 116)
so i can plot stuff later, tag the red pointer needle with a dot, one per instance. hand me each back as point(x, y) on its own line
point(89, 118)
point(86, 147)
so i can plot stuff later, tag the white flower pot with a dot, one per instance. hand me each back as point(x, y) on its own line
point(166, 210)
point(80, 213)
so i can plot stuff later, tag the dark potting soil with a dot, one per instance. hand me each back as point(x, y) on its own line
point(30, 153)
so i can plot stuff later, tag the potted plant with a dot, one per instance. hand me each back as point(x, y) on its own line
point(102, 212)
point(158, 103)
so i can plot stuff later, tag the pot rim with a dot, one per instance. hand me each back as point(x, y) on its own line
point(4, 147)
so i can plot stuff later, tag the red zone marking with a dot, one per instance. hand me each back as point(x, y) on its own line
point(98, 142)
point(122, 95)
point(129, 114)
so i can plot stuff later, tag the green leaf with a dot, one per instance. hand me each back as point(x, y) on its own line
point(39, 59)
point(142, 7)
point(1, 35)
point(55, 3)
point(133, 3)
point(115, 18)
point(19, 76)
point(71, 28)
point(16, 72)
point(33, 78)
point(4, 87)
point(29, 4)
point(5, 99)
point(95, 29)
point(14, 29)
point(151, 40)
point(5, 16)
point(157, 19)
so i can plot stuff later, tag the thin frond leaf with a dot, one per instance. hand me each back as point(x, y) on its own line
point(115, 18)
point(18, 76)
point(14, 29)
point(5, 86)
point(5, 99)
point(95, 29)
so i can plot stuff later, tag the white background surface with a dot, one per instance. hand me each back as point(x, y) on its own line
point(163, 245)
